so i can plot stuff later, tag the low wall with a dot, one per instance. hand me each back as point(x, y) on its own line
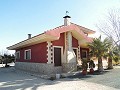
point(41, 68)
point(69, 67)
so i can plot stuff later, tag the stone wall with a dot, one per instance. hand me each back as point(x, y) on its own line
point(69, 67)
point(41, 68)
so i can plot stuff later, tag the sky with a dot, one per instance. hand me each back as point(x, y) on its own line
point(21, 17)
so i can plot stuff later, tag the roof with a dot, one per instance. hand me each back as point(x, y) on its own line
point(54, 34)
point(84, 29)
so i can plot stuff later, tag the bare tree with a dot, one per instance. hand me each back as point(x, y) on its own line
point(110, 26)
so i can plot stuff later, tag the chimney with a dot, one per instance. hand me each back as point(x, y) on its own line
point(29, 36)
point(66, 20)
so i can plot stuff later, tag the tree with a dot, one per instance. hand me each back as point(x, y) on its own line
point(98, 48)
point(110, 26)
point(110, 54)
point(116, 56)
point(8, 58)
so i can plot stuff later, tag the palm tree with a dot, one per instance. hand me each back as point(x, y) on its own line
point(116, 54)
point(110, 53)
point(98, 48)
point(110, 57)
point(113, 52)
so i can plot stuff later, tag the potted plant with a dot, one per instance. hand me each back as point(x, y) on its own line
point(84, 66)
point(91, 66)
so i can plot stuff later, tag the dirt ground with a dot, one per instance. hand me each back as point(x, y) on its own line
point(12, 79)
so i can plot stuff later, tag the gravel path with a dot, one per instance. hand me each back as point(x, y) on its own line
point(110, 78)
point(10, 79)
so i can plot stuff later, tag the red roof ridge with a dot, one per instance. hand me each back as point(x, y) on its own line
point(62, 27)
point(84, 27)
point(56, 28)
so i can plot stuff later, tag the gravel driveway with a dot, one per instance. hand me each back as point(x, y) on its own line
point(11, 79)
point(109, 78)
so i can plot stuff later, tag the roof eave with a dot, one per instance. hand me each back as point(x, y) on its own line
point(32, 41)
point(85, 30)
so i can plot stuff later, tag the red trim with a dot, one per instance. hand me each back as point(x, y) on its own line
point(56, 32)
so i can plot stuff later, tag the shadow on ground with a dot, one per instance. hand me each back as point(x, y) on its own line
point(12, 80)
point(81, 76)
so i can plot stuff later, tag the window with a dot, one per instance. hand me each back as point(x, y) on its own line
point(84, 54)
point(27, 54)
point(18, 55)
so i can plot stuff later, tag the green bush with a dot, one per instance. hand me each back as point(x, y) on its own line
point(84, 64)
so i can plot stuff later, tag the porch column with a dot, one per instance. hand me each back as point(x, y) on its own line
point(70, 58)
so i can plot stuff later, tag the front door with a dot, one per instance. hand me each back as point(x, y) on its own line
point(57, 56)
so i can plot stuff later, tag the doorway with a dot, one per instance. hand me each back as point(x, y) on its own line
point(57, 56)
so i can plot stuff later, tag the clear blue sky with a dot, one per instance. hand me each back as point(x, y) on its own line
point(20, 17)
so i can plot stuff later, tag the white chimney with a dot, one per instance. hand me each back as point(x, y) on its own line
point(29, 36)
point(66, 20)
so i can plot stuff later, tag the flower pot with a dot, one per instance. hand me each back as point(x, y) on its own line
point(84, 72)
point(91, 71)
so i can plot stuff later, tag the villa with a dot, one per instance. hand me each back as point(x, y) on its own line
point(57, 50)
